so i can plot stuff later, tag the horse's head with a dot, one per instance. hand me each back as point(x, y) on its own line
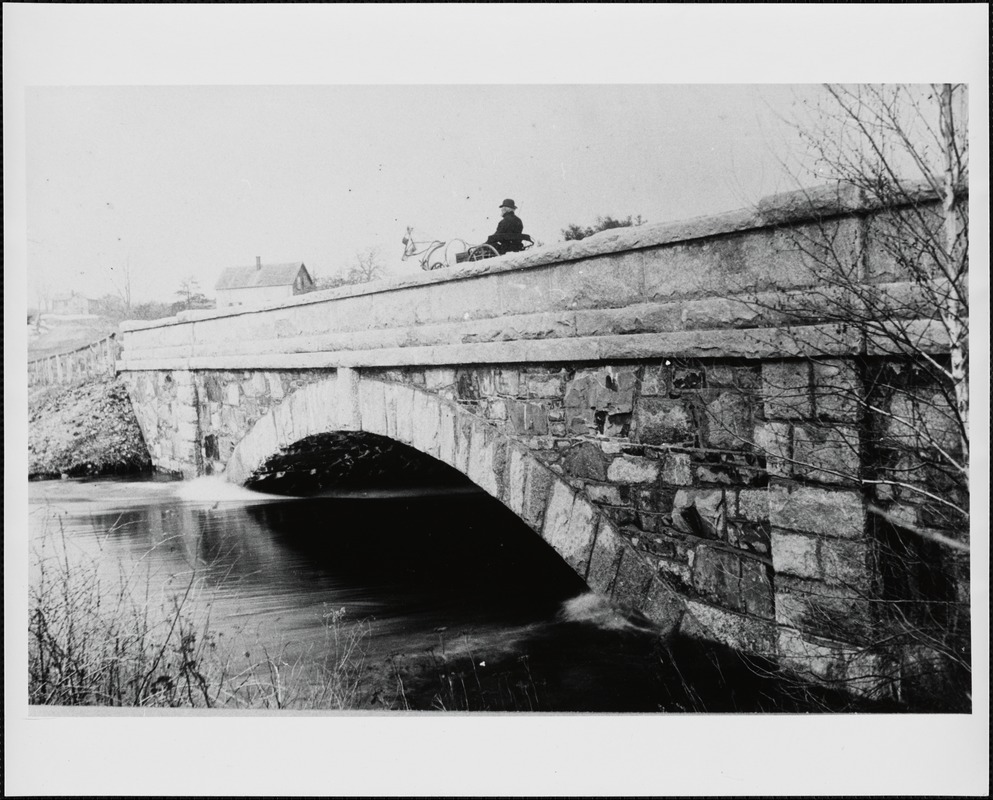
point(408, 244)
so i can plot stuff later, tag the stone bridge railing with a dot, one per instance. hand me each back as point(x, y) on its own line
point(716, 286)
point(685, 387)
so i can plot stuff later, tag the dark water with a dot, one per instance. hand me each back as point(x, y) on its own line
point(464, 607)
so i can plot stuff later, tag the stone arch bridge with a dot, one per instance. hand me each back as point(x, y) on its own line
point(669, 406)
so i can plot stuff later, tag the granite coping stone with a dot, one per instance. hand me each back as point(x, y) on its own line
point(775, 210)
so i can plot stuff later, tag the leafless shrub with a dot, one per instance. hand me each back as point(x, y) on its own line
point(114, 643)
point(884, 329)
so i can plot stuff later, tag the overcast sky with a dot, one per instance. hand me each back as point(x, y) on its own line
point(180, 181)
point(177, 141)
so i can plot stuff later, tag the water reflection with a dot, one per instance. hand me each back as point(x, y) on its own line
point(467, 607)
point(412, 563)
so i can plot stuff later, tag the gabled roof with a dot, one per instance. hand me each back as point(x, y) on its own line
point(254, 277)
point(58, 298)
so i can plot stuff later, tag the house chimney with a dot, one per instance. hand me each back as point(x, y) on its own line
point(258, 262)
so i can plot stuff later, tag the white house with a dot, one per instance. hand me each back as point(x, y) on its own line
point(72, 303)
point(263, 283)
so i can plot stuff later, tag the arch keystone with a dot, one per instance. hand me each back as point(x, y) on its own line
point(372, 399)
point(347, 399)
point(404, 413)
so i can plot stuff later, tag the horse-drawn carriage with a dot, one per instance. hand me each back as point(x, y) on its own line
point(436, 254)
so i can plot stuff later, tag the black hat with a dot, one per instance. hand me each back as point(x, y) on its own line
point(508, 203)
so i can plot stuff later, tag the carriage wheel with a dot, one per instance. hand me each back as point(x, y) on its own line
point(479, 252)
point(437, 265)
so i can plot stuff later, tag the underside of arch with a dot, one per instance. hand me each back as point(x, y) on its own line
point(332, 425)
point(344, 459)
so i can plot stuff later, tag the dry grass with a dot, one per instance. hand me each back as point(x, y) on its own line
point(100, 642)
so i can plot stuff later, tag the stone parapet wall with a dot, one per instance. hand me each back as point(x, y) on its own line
point(733, 285)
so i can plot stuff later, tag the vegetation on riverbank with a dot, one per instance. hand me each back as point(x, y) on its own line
point(84, 429)
point(99, 641)
point(681, 675)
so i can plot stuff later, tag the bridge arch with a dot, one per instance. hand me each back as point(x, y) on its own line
point(733, 409)
point(506, 469)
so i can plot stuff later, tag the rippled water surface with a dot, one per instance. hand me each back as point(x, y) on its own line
point(447, 582)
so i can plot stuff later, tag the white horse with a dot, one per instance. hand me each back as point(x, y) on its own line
point(432, 253)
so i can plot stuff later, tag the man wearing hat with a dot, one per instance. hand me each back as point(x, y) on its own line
point(507, 238)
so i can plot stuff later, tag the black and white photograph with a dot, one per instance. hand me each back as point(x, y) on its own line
point(498, 399)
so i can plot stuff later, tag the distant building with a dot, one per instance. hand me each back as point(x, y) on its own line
point(263, 283)
point(72, 303)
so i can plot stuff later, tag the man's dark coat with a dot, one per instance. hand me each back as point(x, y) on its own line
point(507, 238)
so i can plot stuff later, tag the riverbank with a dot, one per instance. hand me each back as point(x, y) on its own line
point(82, 430)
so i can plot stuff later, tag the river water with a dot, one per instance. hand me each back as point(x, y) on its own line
point(459, 605)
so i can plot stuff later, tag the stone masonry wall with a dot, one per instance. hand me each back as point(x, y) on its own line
point(734, 478)
point(735, 481)
point(192, 421)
